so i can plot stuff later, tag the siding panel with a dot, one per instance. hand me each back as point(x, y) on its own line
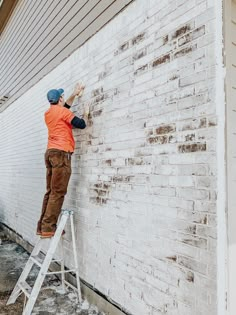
point(45, 34)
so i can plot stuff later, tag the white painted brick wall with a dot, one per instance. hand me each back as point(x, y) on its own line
point(144, 172)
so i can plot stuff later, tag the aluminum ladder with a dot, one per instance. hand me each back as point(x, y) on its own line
point(32, 292)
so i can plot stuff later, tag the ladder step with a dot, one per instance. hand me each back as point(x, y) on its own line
point(56, 260)
point(58, 272)
point(36, 261)
point(71, 286)
point(26, 288)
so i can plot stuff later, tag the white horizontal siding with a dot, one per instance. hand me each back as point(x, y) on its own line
point(43, 33)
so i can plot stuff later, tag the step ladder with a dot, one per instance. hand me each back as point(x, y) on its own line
point(32, 292)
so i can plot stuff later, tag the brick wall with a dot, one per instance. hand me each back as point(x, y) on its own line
point(144, 171)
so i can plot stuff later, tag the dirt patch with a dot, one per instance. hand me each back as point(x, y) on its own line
point(14, 309)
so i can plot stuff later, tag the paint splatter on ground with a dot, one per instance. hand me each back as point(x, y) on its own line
point(51, 299)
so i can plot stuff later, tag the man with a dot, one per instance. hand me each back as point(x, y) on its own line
point(60, 121)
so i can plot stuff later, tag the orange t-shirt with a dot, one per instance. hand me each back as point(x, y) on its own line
point(58, 120)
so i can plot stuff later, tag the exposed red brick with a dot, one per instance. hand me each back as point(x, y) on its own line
point(174, 77)
point(194, 147)
point(161, 60)
point(138, 38)
point(141, 69)
point(164, 129)
point(183, 30)
point(203, 123)
point(190, 276)
point(190, 137)
point(212, 122)
point(173, 258)
point(165, 39)
point(97, 113)
point(124, 47)
point(159, 139)
point(121, 178)
point(108, 162)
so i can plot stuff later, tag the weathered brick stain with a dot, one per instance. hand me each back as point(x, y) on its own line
point(194, 124)
point(101, 191)
point(202, 221)
point(131, 42)
point(140, 54)
point(200, 31)
point(184, 51)
point(96, 92)
point(135, 161)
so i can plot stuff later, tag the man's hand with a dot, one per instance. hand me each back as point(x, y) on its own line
point(86, 113)
point(87, 109)
point(78, 89)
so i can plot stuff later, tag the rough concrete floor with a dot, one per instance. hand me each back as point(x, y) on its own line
point(50, 300)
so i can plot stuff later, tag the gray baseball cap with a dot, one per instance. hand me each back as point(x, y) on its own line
point(54, 95)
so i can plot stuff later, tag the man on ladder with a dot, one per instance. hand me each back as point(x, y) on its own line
point(60, 121)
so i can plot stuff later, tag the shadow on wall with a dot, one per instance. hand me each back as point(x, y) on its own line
point(2, 212)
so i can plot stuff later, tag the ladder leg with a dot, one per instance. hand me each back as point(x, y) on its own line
point(37, 286)
point(62, 266)
point(75, 258)
point(25, 298)
point(16, 292)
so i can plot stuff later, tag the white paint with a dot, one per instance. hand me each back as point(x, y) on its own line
point(221, 163)
point(144, 248)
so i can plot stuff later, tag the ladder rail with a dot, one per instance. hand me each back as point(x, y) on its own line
point(75, 258)
point(63, 266)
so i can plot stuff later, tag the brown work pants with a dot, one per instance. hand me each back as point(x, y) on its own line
point(58, 164)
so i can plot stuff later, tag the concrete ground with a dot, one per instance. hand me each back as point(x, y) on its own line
point(51, 300)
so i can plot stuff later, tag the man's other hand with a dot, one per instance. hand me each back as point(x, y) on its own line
point(78, 89)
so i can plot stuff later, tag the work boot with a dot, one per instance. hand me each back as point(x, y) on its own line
point(38, 232)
